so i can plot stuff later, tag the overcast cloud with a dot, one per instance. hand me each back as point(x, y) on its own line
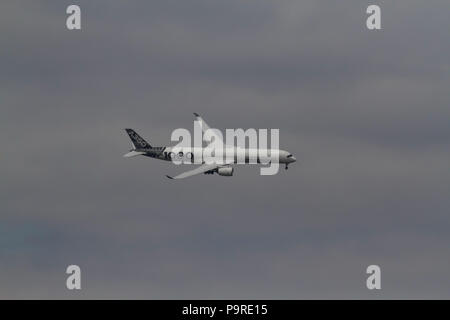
point(366, 113)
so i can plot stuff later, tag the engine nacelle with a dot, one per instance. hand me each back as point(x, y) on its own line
point(227, 171)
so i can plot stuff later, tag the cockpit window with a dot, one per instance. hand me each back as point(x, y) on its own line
point(290, 155)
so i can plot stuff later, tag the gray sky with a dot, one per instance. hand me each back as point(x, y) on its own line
point(366, 114)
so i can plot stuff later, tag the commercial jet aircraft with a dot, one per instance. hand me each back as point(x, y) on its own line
point(142, 147)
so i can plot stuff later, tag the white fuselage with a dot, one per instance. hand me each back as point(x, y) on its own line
point(226, 155)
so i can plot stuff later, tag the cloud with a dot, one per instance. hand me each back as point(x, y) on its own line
point(365, 113)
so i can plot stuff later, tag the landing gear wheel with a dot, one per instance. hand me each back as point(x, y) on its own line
point(286, 167)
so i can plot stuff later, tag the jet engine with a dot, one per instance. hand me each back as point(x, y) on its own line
point(226, 171)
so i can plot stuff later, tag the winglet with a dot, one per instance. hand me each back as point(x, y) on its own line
point(169, 177)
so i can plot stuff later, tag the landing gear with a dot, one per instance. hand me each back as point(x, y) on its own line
point(286, 167)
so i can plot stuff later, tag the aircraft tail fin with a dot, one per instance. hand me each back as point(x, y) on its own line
point(137, 140)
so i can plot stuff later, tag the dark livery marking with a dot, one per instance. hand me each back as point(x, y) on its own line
point(138, 141)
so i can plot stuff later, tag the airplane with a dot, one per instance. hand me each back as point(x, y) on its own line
point(142, 147)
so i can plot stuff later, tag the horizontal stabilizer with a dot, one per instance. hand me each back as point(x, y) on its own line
point(133, 154)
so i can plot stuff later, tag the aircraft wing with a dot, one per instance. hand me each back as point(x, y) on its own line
point(202, 169)
point(205, 127)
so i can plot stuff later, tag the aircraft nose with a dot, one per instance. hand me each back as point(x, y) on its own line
point(293, 159)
